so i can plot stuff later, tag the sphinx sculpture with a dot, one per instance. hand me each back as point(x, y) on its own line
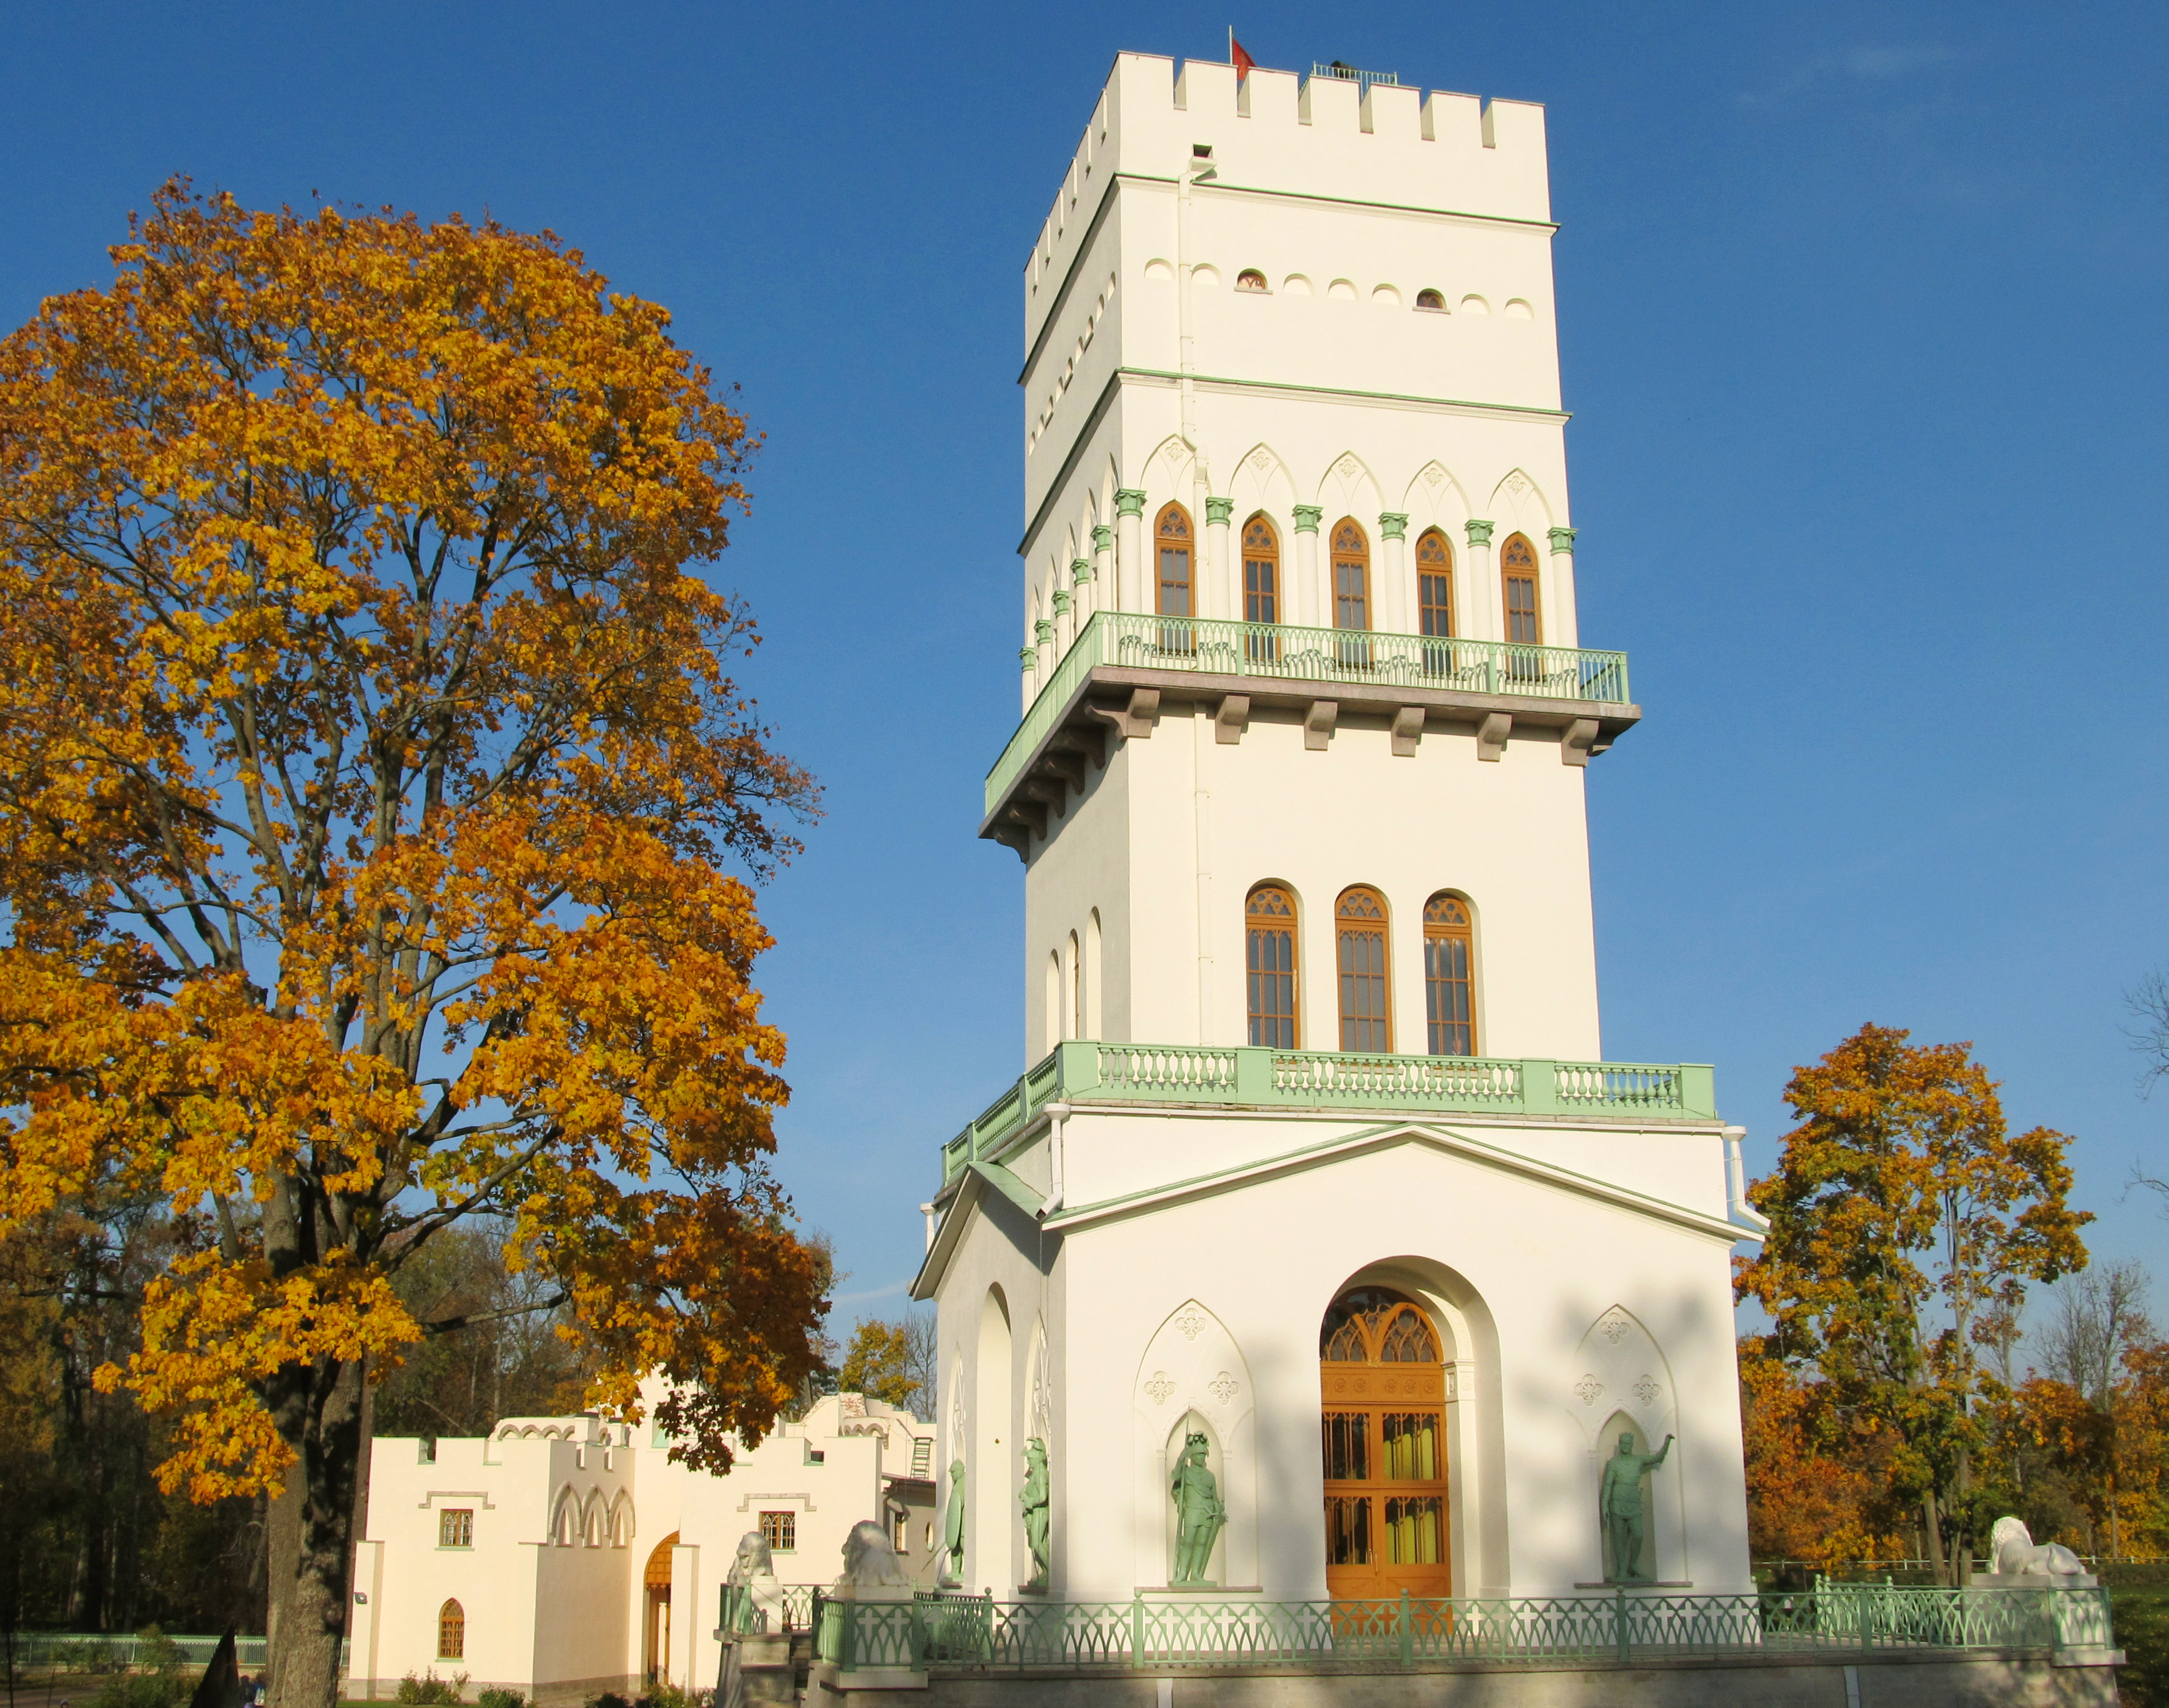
point(870, 1561)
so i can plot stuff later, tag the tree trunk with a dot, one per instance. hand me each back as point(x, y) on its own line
point(324, 1405)
point(1932, 1527)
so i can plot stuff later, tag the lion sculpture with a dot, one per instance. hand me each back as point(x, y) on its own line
point(754, 1560)
point(2015, 1554)
point(870, 1562)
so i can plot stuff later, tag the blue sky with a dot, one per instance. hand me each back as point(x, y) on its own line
point(1861, 318)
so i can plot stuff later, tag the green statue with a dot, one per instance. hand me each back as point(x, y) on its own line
point(1033, 1499)
point(1199, 1514)
point(953, 1530)
point(1621, 1513)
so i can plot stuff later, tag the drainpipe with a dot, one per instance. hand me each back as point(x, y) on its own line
point(1735, 1178)
point(1198, 167)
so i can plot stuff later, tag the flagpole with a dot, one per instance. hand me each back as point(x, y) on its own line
point(1231, 44)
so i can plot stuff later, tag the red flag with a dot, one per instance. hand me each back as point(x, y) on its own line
point(1243, 61)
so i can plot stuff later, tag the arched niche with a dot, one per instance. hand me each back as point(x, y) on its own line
point(1475, 1432)
point(1192, 1366)
point(1623, 1378)
point(989, 1560)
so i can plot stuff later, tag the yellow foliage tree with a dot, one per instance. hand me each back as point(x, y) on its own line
point(370, 784)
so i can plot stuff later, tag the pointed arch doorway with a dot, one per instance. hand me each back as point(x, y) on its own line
point(655, 1581)
point(1382, 1411)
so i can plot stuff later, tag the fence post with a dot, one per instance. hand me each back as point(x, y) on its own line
point(1408, 1635)
point(1137, 1630)
point(1619, 1622)
point(1868, 1618)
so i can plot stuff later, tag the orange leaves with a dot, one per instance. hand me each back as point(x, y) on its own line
point(369, 771)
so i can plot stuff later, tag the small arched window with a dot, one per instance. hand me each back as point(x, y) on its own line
point(1261, 572)
point(1359, 929)
point(1449, 994)
point(1270, 967)
point(1434, 584)
point(1517, 570)
point(1432, 299)
point(1250, 279)
point(1171, 536)
point(451, 1632)
point(1352, 575)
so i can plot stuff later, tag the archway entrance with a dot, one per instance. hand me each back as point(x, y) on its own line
point(656, 1640)
point(1381, 1416)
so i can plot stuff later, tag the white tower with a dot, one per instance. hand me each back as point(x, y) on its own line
point(1316, 1136)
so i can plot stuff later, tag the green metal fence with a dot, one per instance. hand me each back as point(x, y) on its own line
point(1276, 652)
point(93, 1652)
point(977, 1632)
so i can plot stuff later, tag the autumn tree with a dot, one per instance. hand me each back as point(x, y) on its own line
point(376, 818)
point(1905, 1219)
point(893, 1362)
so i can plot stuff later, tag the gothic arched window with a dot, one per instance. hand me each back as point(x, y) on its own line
point(1268, 961)
point(1433, 583)
point(1449, 993)
point(451, 1632)
point(1517, 571)
point(1172, 536)
point(1261, 572)
point(1352, 575)
point(1359, 931)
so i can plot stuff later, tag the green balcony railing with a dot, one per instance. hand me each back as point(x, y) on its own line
point(979, 1634)
point(1086, 1072)
point(1274, 652)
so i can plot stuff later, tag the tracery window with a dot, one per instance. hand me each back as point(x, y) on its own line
point(1434, 584)
point(1449, 994)
point(1381, 1427)
point(1359, 922)
point(1352, 575)
point(456, 1527)
point(780, 1530)
point(1250, 279)
point(1270, 967)
point(1430, 299)
point(1261, 572)
point(1517, 569)
point(1172, 536)
point(451, 1632)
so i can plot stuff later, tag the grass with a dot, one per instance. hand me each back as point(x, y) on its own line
point(2142, 1632)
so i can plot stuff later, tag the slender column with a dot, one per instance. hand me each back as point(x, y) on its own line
point(1028, 657)
point(1393, 602)
point(1486, 613)
point(1224, 601)
point(1132, 593)
point(1065, 628)
point(1566, 629)
point(1080, 589)
point(1043, 635)
point(1306, 602)
point(1104, 596)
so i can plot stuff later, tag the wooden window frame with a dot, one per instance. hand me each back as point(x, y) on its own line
point(451, 1631)
point(1443, 930)
point(1507, 577)
point(456, 1527)
point(1346, 925)
point(782, 1535)
point(1160, 583)
point(1425, 608)
point(1251, 931)
point(1360, 557)
point(1269, 557)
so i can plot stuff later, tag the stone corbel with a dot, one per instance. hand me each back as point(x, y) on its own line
point(1136, 720)
point(1084, 740)
point(1051, 790)
point(1408, 731)
point(1491, 735)
point(1318, 724)
point(1578, 743)
point(1232, 719)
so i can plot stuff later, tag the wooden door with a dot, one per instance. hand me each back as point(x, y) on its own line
point(1382, 1430)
